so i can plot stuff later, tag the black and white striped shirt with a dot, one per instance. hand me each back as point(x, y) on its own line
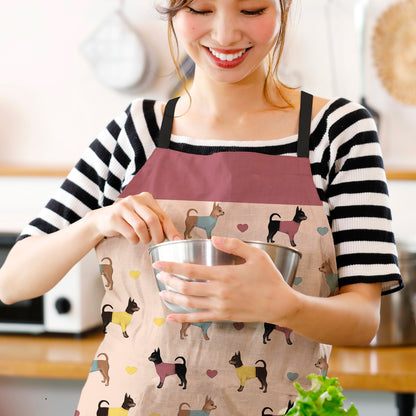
point(346, 164)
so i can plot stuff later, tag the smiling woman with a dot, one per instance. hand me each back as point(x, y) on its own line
point(276, 13)
point(246, 159)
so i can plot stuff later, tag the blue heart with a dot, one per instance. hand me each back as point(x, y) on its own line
point(323, 230)
point(297, 281)
point(292, 376)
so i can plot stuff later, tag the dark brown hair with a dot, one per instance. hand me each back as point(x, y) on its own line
point(272, 79)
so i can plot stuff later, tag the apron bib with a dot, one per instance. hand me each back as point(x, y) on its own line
point(146, 366)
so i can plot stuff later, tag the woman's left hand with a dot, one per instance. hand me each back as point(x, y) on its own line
point(254, 291)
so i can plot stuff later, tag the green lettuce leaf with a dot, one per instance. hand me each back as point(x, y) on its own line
point(325, 398)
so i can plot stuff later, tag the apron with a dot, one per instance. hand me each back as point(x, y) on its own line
point(149, 367)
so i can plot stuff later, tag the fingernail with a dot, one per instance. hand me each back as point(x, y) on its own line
point(159, 276)
point(177, 238)
point(158, 265)
point(219, 240)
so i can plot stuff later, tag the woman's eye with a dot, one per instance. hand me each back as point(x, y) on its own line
point(194, 11)
point(253, 12)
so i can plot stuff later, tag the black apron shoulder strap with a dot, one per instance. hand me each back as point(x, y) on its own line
point(305, 118)
point(167, 122)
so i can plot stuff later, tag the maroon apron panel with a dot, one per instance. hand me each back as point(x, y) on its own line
point(226, 176)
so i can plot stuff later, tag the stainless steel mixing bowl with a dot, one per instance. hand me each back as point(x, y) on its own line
point(203, 252)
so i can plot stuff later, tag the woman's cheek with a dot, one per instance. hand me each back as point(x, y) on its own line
point(266, 31)
point(186, 26)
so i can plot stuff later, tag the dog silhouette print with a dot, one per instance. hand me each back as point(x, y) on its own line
point(128, 403)
point(121, 318)
point(288, 227)
point(245, 373)
point(164, 370)
point(209, 405)
point(207, 223)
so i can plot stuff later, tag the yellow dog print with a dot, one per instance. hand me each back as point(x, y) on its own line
point(120, 318)
point(245, 373)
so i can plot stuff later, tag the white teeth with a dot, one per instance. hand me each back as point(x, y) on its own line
point(227, 57)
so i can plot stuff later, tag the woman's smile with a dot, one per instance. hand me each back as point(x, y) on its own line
point(228, 39)
point(227, 58)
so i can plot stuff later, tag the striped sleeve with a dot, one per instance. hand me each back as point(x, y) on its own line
point(98, 178)
point(352, 182)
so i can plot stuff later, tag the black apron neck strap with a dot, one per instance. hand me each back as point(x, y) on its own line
point(167, 123)
point(305, 118)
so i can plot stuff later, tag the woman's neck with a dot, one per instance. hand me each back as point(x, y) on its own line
point(237, 111)
point(233, 99)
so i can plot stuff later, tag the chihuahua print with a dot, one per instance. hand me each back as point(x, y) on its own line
point(206, 223)
point(287, 227)
point(121, 318)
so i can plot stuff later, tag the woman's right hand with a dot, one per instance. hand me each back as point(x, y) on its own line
point(138, 218)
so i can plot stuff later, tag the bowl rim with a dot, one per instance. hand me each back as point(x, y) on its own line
point(273, 245)
point(206, 240)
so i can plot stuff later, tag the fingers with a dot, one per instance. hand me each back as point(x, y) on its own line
point(167, 229)
point(147, 221)
point(212, 273)
point(146, 224)
point(125, 230)
point(192, 271)
point(233, 246)
point(190, 302)
point(192, 317)
point(186, 287)
point(170, 230)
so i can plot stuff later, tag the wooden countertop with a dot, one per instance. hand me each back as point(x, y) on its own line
point(64, 357)
point(47, 356)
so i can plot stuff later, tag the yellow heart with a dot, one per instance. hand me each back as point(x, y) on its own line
point(154, 414)
point(131, 370)
point(134, 274)
point(159, 321)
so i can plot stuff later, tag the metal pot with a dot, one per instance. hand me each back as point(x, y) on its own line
point(398, 310)
point(203, 252)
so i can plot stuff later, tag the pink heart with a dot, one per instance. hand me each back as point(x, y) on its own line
point(76, 413)
point(212, 373)
point(238, 325)
point(242, 227)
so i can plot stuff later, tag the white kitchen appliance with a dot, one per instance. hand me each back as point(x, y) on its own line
point(71, 307)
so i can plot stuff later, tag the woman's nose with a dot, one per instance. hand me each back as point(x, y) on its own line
point(226, 30)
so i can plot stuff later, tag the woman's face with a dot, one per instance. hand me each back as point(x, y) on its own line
point(228, 39)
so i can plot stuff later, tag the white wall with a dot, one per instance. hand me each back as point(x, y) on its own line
point(51, 105)
point(323, 56)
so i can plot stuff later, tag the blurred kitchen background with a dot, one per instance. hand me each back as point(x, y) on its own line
point(68, 67)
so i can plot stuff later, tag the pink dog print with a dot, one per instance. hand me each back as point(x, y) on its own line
point(288, 227)
point(164, 370)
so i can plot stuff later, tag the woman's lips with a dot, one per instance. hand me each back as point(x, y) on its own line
point(227, 58)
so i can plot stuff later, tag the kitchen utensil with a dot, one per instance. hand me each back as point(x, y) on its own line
point(398, 310)
point(203, 252)
point(119, 55)
point(394, 50)
point(361, 21)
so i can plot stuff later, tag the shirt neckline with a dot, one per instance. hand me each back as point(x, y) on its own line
point(252, 143)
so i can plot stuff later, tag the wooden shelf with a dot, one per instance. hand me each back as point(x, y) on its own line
point(17, 170)
point(12, 170)
point(401, 175)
